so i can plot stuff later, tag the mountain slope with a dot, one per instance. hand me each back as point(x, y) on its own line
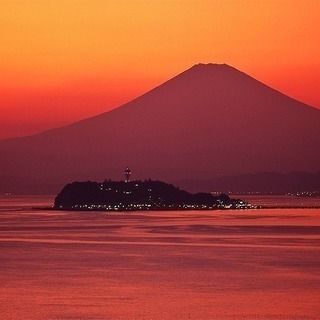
point(211, 119)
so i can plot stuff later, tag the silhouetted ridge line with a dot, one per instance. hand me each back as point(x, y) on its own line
point(207, 121)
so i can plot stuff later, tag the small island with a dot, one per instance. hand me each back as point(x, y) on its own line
point(138, 195)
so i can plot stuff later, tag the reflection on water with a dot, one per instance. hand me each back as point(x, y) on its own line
point(253, 264)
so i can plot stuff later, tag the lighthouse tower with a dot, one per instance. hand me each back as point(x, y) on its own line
point(127, 174)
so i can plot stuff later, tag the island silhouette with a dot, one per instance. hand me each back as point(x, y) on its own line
point(138, 195)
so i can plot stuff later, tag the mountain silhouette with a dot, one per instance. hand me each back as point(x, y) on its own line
point(211, 120)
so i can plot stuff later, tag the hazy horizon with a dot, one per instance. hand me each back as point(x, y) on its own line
point(64, 61)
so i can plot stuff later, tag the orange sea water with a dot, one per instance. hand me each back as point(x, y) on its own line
point(253, 264)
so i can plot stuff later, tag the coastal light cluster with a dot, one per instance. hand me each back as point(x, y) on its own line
point(139, 195)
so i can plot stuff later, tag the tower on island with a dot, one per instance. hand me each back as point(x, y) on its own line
point(127, 174)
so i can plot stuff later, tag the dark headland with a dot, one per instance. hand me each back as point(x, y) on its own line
point(138, 195)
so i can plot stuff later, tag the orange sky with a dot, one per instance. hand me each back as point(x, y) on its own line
point(64, 60)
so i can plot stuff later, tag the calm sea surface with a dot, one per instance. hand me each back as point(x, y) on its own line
point(252, 264)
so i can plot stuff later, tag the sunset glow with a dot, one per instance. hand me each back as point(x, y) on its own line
point(62, 61)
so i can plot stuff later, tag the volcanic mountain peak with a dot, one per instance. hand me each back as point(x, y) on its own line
point(214, 67)
point(210, 64)
point(210, 119)
point(204, 68)
point(211, 77)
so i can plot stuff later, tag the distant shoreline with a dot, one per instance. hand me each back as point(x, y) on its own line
point(175, 209)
